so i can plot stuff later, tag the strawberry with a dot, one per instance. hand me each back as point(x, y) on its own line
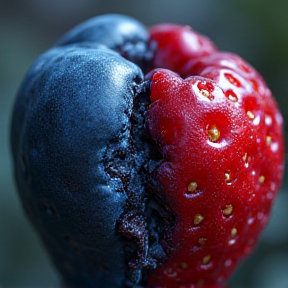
point(219, 132)
point(178, 44)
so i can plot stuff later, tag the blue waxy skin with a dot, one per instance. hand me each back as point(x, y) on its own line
point(81, 155)
point(120, 33)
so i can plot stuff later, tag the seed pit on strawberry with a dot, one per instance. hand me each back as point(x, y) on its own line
point(268, 140)
point(246, 159)
point(206, 260)
point(232, 79)
point(206, 89)
point(213, 133)
point(228, 177)
point(198, 219)
point(255, 85)
point(206, 94)
point(231, 95)
point(192, 187)
point(243, 67)
point(205, 85)
point(250, 115)
point(227, 210)
point(216, 137)
point(233, 232)
point(261, 179)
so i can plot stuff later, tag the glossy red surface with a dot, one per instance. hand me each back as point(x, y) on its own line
point(220, 133)
point(177, 45)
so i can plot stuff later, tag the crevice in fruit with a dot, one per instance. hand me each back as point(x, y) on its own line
point(128, 162)
point(139, 52)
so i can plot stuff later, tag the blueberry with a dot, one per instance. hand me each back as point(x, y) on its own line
point(120, 33)
point(81, 155)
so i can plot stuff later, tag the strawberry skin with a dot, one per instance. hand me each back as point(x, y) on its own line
point(220, 133)
point(178, 44)
point(216, 175)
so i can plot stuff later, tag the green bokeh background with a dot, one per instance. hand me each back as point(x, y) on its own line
point(255, 29)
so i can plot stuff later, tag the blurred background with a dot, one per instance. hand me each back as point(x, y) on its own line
point(257, 30)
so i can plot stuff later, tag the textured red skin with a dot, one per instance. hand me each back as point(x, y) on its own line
point(229, 171)
point(225, 60)
point(186, 45)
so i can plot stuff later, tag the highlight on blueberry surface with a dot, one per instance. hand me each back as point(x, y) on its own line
point(143, 156)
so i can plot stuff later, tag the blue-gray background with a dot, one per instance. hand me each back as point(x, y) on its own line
point(257, 30)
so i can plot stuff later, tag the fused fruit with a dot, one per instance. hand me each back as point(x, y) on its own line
point(163, 180)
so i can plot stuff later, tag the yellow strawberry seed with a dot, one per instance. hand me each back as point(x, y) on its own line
point(268, 140)
point(250, 115)
point(228, 210)
point(213, 134)
point(261, 179)
point(233, 232)
point(206, 259)
point(192, 186)
point(198, 219)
